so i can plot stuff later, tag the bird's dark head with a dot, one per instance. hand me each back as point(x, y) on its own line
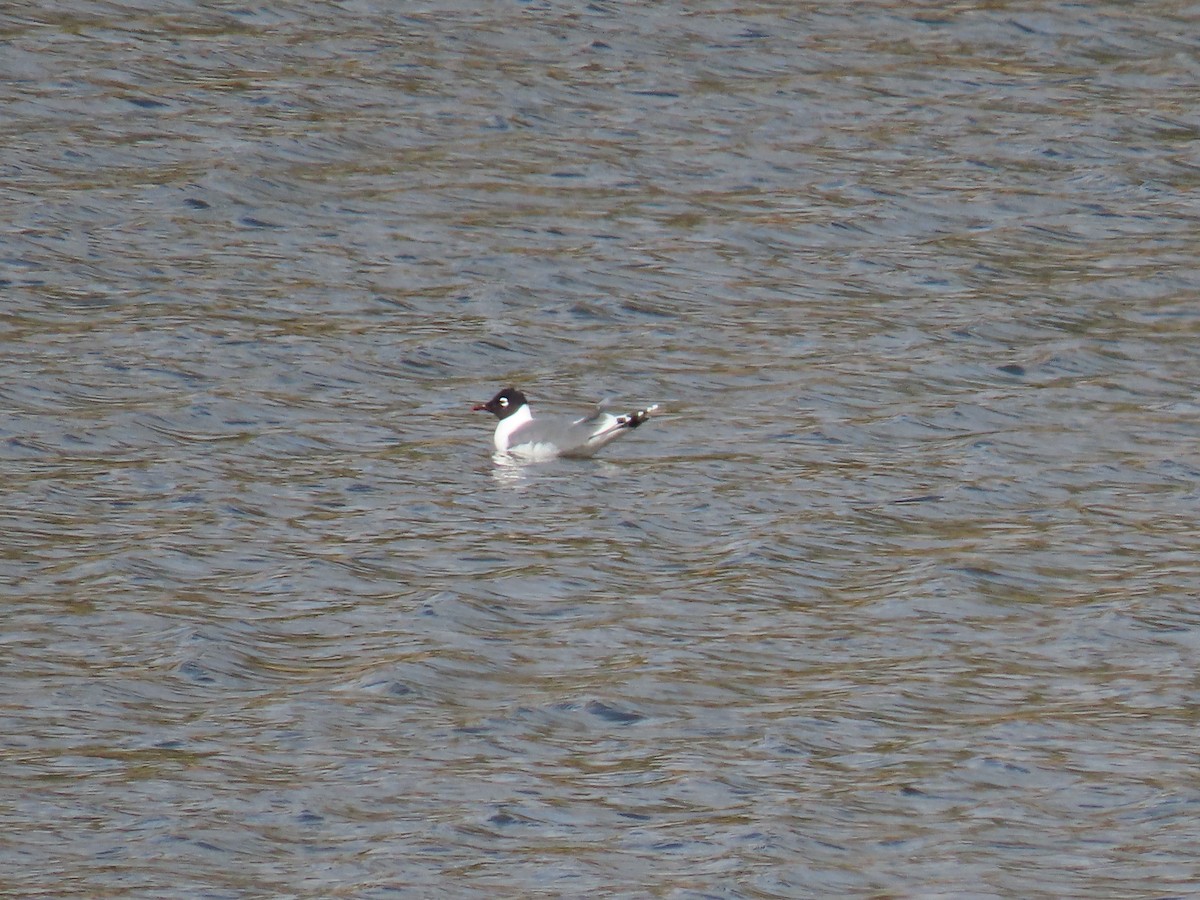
point(504, 404)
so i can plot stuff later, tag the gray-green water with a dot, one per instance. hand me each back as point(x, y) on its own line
point(898, 599)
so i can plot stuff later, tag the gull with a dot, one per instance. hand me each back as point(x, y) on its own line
point(520, 434)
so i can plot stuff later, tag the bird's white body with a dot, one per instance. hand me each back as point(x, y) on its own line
point(506, 426)
point(519, 434)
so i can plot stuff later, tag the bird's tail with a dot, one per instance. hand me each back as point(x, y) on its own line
point(634, 419)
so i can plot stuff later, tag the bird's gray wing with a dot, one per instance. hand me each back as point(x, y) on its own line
point(560, 433)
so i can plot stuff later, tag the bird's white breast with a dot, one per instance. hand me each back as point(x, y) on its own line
point(510, 424)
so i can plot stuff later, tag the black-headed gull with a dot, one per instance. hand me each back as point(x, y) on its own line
point(520, 434)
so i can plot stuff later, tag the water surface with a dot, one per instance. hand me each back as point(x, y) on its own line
point(898, 598)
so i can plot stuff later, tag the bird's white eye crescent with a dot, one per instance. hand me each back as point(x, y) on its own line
point(504, 401)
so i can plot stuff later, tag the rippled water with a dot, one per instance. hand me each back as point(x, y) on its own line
point(898, 598)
